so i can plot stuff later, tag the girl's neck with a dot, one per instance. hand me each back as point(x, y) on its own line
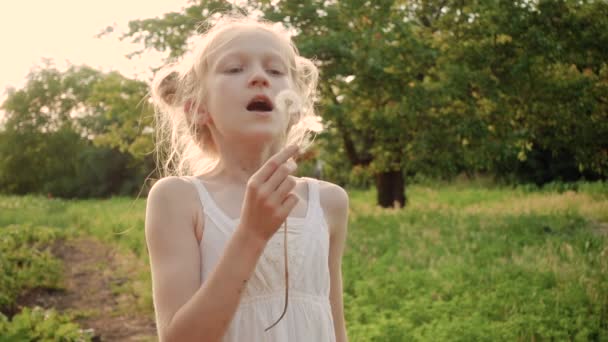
point(240, 160)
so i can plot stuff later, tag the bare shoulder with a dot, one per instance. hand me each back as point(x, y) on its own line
point(333, 197)
point(169, 188)
point(334, 201)
point(171, 198)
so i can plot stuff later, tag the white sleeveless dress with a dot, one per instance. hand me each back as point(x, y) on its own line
point(308, 317)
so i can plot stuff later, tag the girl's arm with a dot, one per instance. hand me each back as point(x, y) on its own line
point(185, 310)
point(334, 201)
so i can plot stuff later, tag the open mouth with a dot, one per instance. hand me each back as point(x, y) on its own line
point(260, 103)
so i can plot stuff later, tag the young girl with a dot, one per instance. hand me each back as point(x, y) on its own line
point(216, 239)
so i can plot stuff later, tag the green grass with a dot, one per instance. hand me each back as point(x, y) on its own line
point(473, 263)
point(118, 220)
point(461, 262)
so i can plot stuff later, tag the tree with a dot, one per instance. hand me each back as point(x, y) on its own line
point(531, 78)
point(76, 133)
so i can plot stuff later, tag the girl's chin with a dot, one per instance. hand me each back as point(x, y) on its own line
point(260, 136)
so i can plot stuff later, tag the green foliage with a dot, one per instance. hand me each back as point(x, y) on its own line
point(77, 133)
point(170, 32)
point(526, 76)
point(37, 167)
point(37, 324)
point(26, 261)
point(120, 115)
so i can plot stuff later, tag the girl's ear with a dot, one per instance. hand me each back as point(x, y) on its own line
point(188, 108)
point(200, 116)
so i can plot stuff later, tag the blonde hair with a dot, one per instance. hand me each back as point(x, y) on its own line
point(184, 148)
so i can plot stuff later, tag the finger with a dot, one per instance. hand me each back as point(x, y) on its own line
point(274, 162)
point(279, 176)
point(279, 195)
point(288, 205)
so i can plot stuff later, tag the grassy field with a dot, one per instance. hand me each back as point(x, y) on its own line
point(462, 262)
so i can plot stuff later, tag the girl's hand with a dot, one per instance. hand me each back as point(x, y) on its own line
point(268, 197)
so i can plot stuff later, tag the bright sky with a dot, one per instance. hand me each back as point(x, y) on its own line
point(64, 30)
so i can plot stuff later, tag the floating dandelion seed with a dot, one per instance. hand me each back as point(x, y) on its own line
point(311, 123)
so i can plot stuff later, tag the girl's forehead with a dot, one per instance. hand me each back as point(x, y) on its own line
point(251, 43)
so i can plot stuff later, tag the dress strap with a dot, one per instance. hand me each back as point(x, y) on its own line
point(314, 201)
point(210, 209)
point(313, 190)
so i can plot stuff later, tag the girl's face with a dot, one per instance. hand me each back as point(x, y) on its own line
point(245, 75)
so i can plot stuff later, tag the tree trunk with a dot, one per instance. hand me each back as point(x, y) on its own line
point(391, 189)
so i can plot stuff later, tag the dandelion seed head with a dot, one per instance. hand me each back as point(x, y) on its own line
point(288, 102)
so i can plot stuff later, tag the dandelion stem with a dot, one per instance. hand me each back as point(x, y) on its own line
point(286, 277)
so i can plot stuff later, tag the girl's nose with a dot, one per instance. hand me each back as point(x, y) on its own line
point(258, 79)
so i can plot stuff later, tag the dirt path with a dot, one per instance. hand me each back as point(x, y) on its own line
point(93, 271)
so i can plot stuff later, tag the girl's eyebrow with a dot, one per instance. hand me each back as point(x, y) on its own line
point(273, 56)
point(226, 56)
point(240, 55)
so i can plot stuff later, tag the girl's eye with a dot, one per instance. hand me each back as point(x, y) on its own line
point(275, 72)
point(234, 70)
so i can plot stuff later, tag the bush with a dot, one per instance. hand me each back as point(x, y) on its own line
point(26, 262)
point(37, 324)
